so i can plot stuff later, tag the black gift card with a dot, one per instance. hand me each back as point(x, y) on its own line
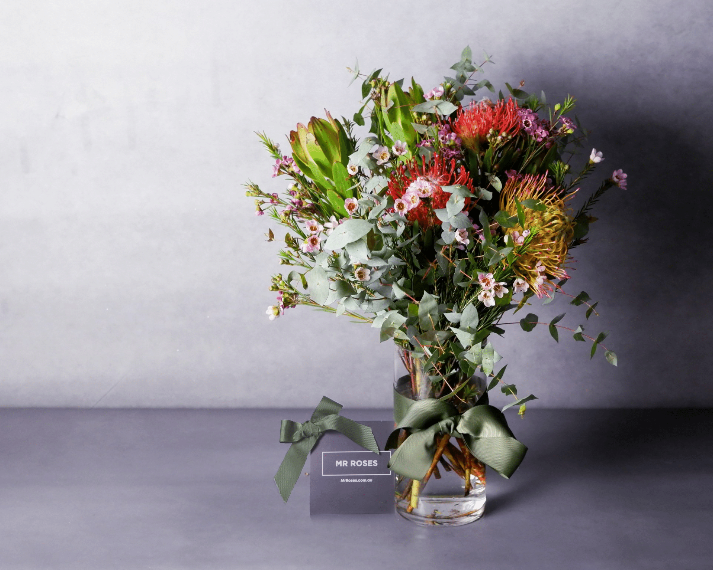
point(347, 479)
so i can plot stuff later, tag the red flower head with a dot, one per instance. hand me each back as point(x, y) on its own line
point(475, 122)
point(426, 180)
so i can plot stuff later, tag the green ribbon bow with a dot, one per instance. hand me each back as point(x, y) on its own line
point(304, 437)
point(483, 428)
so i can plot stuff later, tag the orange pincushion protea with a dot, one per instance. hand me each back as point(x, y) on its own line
point(439, 172)
point(475, 122)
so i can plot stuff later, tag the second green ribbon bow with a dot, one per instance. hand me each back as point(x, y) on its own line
point(304, 437)
point(483, 428)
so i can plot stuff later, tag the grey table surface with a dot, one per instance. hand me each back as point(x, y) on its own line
point(180, 489)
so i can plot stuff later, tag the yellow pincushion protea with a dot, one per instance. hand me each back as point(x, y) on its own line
point(553, 230)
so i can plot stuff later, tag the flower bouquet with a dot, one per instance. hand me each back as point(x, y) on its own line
point(429, 227)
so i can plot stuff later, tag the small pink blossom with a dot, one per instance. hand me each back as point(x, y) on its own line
point(259, 212)
point(487, 297)
point(272, 312)
point(519, 238)
point(499, 289)
point(362, 273)
point(380, 154)
point(412, 199)
point(401, 206)
point(422, 187)
point(313, 227)
point(462, 236)
point(312, 243)
point(351, 205)
point(487, 281)
point(332, 224)
point(352, 169)
point(619, 178)
point(596, 156)
point(520, 285)
point(435, 93)
point(568, 125)
point(399, 148)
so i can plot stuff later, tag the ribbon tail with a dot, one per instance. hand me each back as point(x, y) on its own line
point(486, 433)
point(291, 467)
point(415, 455)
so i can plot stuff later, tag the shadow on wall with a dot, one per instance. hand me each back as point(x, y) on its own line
point(658, 228)
point(649, 251)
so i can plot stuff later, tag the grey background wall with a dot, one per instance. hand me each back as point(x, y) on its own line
point(133, 271)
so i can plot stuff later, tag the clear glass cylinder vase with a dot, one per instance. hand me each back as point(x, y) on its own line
point(453, 492)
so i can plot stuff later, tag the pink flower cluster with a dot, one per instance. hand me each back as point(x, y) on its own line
point(490, 289)
point(619, 178)
point(537, 128)
point(451, 143)
point(313, 241)
point(419, 188)
point(435, 93)
point(284, 165)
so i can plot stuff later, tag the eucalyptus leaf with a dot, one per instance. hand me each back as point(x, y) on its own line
point(469, 318)
point(460, 221)
point(357, 157)
point(343, 289)
point(428, 312)
point(519, 402)
point(509, 389)
point(474, 354)
point(579, 299)
point(611, 357)
point(455, 204)
point(464, 337)
point(485, 225)
point(445, 108)
point(495, 182)
point(442, 214)
point(553, 328)
point(484, 194)
point(496, 379)
point(358, 251)
point(529, 322)
point(505, 220)
point(376, 183)
point(533, 204)
point(347, 232)
point(448, 237)
point(318, 285)
point(458, 190)
point(399, 293)
point(427, 107)
point(488, 359)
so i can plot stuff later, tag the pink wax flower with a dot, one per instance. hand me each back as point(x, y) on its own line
point(311, 244)
point(619, 178)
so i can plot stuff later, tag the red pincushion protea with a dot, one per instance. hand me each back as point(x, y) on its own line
point(439, 172)
point(477, 120)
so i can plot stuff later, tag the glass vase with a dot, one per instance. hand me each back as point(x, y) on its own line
point(453, 492)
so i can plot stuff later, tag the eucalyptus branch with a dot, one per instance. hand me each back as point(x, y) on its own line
point(561, 327)
point(304, 300)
